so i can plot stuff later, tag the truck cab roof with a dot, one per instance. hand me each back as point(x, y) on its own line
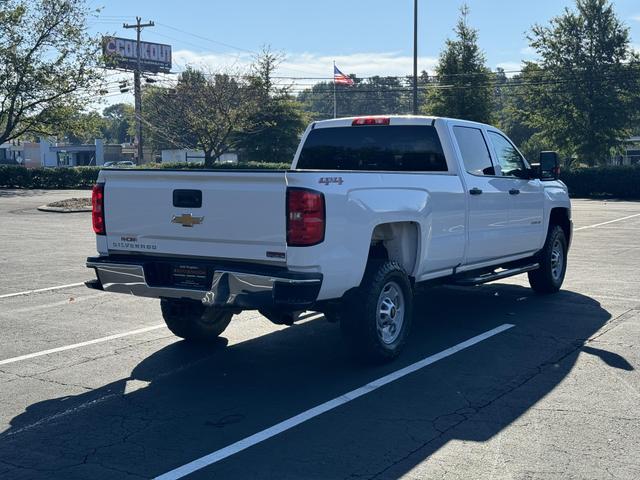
point(388, 120)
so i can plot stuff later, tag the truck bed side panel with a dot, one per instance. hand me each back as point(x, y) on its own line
point(364, 200)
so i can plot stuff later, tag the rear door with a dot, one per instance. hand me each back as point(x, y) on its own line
point(526, 209)
point(226, 215)
point(488, 196)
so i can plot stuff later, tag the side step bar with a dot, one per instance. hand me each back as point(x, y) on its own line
point(490, 277)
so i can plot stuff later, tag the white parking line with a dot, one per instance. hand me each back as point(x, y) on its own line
point(45, 306)
point(28, 292)
point(81, 344)
point(308, 318)
point(323, 408)
point(606, 223)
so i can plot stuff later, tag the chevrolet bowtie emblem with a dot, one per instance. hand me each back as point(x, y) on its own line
point(187, 220)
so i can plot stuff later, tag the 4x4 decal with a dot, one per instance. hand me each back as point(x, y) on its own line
point(328, 180)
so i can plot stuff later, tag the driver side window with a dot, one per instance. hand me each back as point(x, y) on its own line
point(510, 161)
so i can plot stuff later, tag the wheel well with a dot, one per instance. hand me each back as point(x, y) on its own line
point(560, 216)
point(396, 241)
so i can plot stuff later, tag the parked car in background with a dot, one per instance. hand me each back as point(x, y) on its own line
point(119, 164)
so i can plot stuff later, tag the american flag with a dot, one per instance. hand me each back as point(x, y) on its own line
point(340, 78)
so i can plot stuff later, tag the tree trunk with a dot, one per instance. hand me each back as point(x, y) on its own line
point(209, 159)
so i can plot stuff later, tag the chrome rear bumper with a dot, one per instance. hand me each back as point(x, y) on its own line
point(229, 288)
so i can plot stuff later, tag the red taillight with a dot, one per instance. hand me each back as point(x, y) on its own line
point(305, 217)
point(371, 121)
point(97, 208)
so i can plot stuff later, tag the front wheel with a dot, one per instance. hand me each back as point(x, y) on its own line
point(553, 263)
point(193, 321)
point(377, 319)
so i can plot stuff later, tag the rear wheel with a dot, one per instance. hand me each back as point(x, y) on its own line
point(377, 319)
point(553, 263)
point(193, 321)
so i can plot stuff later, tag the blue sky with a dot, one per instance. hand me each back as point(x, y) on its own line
point(365, 37)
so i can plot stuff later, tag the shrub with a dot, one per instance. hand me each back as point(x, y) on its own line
point(618, 182)
point(87, 176)
point(14, 176)
point(222, 166)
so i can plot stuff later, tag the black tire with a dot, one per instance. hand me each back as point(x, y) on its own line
point(360, 322)
point(549, 277)
point(333, 316)
point(193, 321)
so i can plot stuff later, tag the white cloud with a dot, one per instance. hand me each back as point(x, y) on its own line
point(313, 65)
point(210, 61)
point(361, 64)
point(511, 68)
point(636, 18)
point(310, 64)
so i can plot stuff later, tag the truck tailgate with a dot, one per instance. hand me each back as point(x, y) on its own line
point(242, 214)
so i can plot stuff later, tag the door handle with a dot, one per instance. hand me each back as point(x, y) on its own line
point(514, 191)
point(475, 191)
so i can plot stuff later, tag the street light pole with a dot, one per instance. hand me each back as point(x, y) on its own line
point(415, 57)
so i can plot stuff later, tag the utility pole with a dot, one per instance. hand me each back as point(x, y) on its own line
point(415, 57)
point(137, 74)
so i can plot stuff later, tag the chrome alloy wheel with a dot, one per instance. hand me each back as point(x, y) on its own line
point(390, 313)
point(557, 259)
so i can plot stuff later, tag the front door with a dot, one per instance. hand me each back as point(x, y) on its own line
point(488, 197)
point(526, 197)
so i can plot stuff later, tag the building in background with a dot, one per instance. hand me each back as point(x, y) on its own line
point(183, 155)
point(48, 154)
point(632, 152)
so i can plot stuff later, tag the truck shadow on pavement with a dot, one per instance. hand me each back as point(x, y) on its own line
point(183, 402)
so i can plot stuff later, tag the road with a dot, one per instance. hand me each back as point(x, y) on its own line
point(92, 385)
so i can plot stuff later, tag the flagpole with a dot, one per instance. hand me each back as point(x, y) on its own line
point(415, 57)
point(335, 102)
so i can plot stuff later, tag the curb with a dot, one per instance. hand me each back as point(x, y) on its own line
point(47, 208)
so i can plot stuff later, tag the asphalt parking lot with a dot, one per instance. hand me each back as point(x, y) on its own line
point(92, 385)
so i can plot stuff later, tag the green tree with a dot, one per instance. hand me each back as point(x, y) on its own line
point(274, 131)
point(509, 108)
point(82, 127)
point(464, 82)
point(119, 122)
point(204, 111)
point(584, 92)
point(371, 96)
point(273, 127)
point(162, 127)
point(47, 65)
point(318, 100)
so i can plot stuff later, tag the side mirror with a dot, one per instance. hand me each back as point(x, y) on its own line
point(549, 166)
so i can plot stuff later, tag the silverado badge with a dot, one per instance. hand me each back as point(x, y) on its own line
point(187, 220)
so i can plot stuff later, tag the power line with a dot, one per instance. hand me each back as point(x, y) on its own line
point(228, 45)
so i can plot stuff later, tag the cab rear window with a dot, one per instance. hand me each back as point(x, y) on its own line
point(395, 148)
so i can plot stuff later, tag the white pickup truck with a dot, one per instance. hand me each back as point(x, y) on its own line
point(371, 207)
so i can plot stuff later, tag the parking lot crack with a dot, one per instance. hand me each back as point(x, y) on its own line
point(516, 384)
point(45, 380)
